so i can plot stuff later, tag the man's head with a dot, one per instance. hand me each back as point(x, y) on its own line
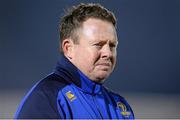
point(89, 40)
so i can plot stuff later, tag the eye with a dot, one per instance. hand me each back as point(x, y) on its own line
point(112, 45)
point(98, 45)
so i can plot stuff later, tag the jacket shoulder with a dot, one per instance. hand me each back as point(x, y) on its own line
point(40, 101)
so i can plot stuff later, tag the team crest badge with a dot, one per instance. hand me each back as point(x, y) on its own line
point(70, 96)
point(124, 111)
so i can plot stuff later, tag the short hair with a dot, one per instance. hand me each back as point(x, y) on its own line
point(74, 18)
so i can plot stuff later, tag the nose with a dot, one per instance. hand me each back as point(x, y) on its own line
point(106, 52)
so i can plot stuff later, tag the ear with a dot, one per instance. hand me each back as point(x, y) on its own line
point(67, 46)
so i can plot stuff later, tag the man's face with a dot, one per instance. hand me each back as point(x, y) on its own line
point(95, 54)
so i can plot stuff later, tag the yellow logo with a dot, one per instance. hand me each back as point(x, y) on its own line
point(124, 111)
point(70, 96)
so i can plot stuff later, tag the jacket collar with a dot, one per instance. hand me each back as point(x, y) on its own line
point(72, 74)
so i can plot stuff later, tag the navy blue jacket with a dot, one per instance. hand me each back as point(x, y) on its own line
point(68, 94)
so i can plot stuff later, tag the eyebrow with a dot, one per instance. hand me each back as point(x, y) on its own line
point(104, 41)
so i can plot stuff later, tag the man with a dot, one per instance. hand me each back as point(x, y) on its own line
point(75, 89)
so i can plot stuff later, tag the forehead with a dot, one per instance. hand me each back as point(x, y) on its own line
point(96, 29)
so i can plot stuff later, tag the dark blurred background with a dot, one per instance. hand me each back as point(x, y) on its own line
point(148, 66)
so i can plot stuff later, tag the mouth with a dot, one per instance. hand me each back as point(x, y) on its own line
point(104, 66)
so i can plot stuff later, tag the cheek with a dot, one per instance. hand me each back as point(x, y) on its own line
point(92, 55)
point(91, 60)
point(114, 58)
point(86, 57)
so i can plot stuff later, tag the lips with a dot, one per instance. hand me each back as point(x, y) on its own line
point(104, 64)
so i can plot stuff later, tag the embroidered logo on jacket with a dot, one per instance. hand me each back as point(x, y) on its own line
point(70, 96)
point(124, 111)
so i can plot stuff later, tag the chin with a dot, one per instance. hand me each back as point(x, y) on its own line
point(101, 78)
